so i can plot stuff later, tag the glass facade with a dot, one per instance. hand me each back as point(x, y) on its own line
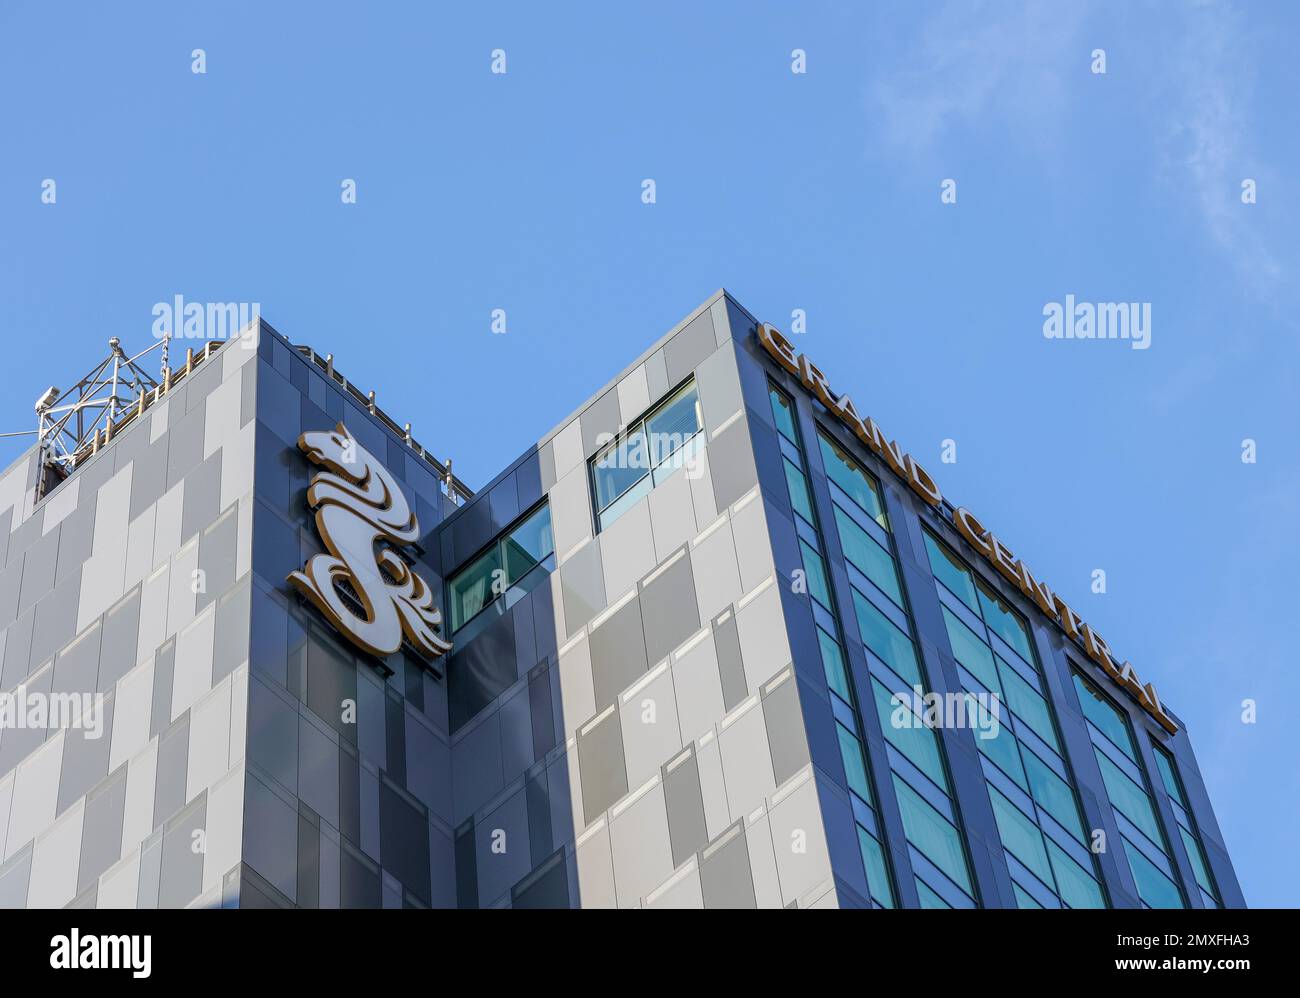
point(1029, 782)
point(1142, 839)
point(830, 644)
point(918, 770)
point(1187, 831)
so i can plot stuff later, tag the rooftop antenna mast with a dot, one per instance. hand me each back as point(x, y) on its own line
point(72, 424)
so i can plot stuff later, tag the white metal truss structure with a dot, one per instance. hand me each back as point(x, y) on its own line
point(73, 425)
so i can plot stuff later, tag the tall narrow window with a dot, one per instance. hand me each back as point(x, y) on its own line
point(1187, 830)
point(830, 642)
point(919, 770)
point(1143, 841)
point(1028, 779)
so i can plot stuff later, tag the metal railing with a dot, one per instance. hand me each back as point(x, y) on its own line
point(72, 426)
point(456, 490)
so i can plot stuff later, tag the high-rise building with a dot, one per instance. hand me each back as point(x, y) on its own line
point(716, 640)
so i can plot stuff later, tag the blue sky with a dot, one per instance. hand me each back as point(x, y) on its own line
point(817, 191)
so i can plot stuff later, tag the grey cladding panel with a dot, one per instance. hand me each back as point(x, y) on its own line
point(149, 476)
point(669, 610)
point(101, 832)
point(582, 585)
point(600, 421)
point(687, 830)
point(76, 536)
point(725, 874)
point(202, 499)
point(618, 654)
point(731, 463)
point(601, 765)
point(731, 668)
point(39, 565)
point(173, 760)
point(181, 875)
point(185, 442)
point(76, 670)
point(218, 550)
point(121, 631)
point(85, 758)
point(688, 348)
point(785, 731)
point(55, 619)
point(479, 671)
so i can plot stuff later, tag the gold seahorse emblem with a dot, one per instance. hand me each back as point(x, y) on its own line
point(361, 584)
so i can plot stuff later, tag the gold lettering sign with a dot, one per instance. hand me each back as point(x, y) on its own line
point(993, 551)
point(361, 585)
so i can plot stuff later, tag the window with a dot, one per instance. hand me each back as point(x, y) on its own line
point(857, 774)
point(1109, 731)
point(971, 651)
point(975, 594)
point(1129, 799)
point(929, 899)
point(1097, 709)
point(952, 573)
point(883, 637)
point(873, 859)
point(1076, 888)
point(650, 451)
point(783, 413)
point(618, 470)
point(1023, 900)
point(864, 553)
point(932, 834)
point(1025, 749)
point(1020, 836)
point(1154, 888)
point(512, 556)
point(1004, 622)
point(471, 589)
point(1169, 775)
point(815, 574)
point(857, 485)
point(880, 607)
point(1052, 793)
point(798, 486)
point(833, 665)
point(527, 544)
point(911, 737)
point(855, 768)
point(673, 424)
point(1186, 825)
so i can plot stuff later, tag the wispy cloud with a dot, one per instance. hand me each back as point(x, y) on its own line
point(1015, 72)
point(974, 62)
point(1210, 136)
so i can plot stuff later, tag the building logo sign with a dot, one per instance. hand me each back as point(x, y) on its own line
point(993, 550)
point(362, 584)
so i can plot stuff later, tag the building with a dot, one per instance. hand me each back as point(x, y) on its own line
point(677, 625)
